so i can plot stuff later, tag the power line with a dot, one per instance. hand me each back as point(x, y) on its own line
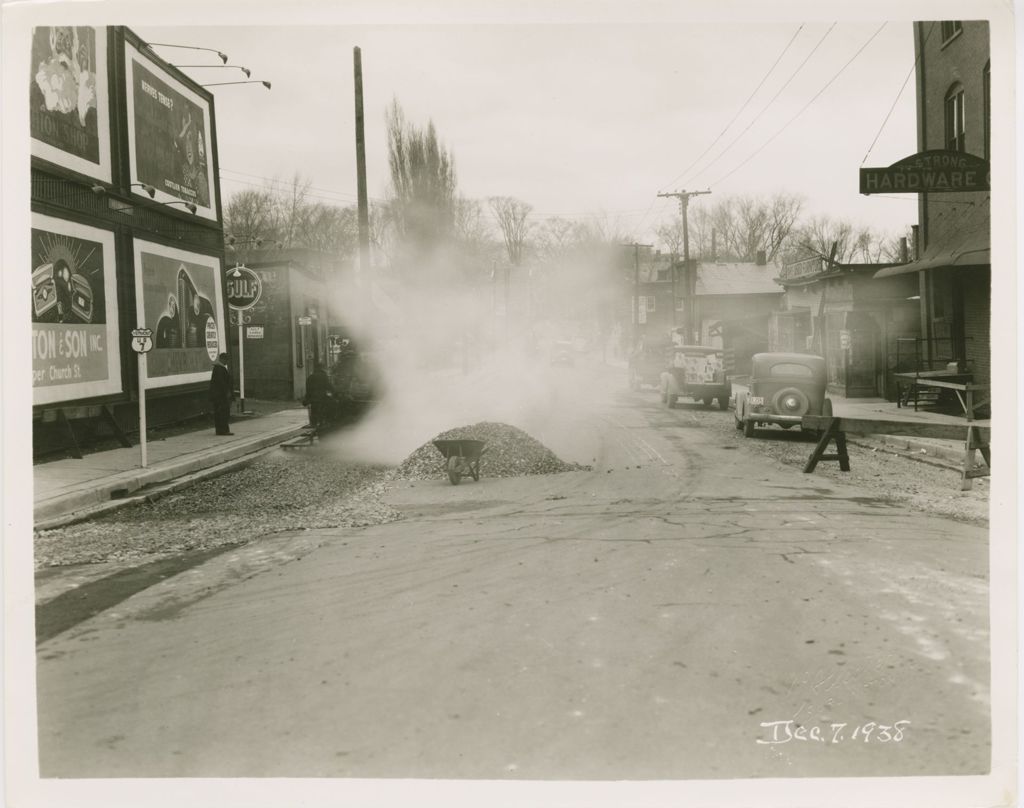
point(275, 181)
point(805, 106)
point(740, 111)
point(913, 67)
point(765, 108)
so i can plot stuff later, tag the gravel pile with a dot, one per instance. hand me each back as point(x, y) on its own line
point(279, 492)
point(509, 452)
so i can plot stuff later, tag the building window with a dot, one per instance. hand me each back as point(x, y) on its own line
point(955, 119)
point(950, 28)
point(986, 80)
point(650, 302)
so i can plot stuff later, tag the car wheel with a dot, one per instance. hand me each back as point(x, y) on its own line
point(708, 400)
point(748, 429)
point(723, 402)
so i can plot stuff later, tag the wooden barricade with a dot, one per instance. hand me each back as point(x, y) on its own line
point(976, 438)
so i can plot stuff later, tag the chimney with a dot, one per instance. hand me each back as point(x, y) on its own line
point(904, 251)
point(762, 258)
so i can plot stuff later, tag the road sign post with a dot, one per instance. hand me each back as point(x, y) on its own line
point(244, 289)
point(142, 343)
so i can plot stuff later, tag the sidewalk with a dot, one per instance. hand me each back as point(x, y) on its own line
point(878, 408)
point(65, 490)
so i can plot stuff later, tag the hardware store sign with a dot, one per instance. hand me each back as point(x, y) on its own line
point(934, 171)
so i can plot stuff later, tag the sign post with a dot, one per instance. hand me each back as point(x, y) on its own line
point(244, 289)
point(142, 343)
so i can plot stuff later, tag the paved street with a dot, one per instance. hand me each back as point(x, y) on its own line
point(684, 610)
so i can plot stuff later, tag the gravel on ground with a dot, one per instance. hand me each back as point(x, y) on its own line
point(283, 491)
point(931, 487)
point(508, 452)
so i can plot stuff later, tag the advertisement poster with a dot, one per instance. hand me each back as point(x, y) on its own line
point(68, 107)
point(169, 140)
point(178, 295)
point(75, 351)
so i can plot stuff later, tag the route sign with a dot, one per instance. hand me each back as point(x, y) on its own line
point(142, 340)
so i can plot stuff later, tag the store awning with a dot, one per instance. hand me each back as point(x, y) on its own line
point(980, 257)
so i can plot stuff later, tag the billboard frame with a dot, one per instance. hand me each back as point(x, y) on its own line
point(113, 386)
point(216, 267)
point(103, 171)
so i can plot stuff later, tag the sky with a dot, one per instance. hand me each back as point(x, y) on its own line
point(576, 119)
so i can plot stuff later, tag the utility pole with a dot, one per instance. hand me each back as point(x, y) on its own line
point(636, 290)
point(689, 277)
point(363, 211)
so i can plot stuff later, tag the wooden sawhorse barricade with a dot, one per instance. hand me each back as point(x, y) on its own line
point(976, 439)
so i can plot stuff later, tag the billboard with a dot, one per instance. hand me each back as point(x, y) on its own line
point(75, 345)
point(179, 296)
point(69, 111)
point(169, 139)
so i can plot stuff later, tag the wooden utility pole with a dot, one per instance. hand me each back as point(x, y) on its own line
point(636, 290)
point(363, 207)
point(689, 276)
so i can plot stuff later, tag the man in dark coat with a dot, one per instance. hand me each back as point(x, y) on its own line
point(318, 394)
point(221, 395)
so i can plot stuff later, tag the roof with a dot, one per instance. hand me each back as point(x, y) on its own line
point(963, 241)
point(736, 279)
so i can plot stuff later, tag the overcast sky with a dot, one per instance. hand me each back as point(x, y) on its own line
point(574, 119)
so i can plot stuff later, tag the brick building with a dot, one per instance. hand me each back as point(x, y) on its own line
point(952, 262)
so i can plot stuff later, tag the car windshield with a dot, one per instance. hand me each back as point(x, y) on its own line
point(790, 369)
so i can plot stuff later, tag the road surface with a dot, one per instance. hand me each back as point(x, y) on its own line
point(687, 609)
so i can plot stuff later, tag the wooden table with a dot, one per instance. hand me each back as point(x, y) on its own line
point(959, 383)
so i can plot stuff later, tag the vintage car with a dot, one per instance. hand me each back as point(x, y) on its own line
point(783, 388)
point(646, 364)
point(698, 372)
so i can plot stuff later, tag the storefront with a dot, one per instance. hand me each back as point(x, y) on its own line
point(855, 322)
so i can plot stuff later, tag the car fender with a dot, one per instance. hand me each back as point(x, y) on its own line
point(741, 406)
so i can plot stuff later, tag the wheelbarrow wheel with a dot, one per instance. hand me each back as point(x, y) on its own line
point(454, 469)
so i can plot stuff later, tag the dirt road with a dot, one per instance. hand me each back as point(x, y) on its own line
point(688, 609)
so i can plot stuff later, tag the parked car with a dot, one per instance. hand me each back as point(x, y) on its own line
point(696, 371)
point(646, 365)
point(784, 387)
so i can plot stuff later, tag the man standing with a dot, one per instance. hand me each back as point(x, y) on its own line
point(221, 395)
point(318, 393)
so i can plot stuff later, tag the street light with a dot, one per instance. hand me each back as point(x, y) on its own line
point(222, 83)
point(190, 205)
point(100, 190)
point(149, 189)
point(223, 56)
point(245, 70)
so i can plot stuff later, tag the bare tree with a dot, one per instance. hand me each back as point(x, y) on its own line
point(423, 184)
point(511, 214)
point(742, 226)
point(249, 215)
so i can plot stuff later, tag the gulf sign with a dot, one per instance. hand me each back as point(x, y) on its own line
point(935, 171)
point(244, 288)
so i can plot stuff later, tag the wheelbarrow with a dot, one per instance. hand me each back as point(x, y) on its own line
point(461, 456)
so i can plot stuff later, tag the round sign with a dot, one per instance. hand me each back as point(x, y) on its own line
point(244, 288)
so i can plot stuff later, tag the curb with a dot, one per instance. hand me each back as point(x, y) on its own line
point(75, 505)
